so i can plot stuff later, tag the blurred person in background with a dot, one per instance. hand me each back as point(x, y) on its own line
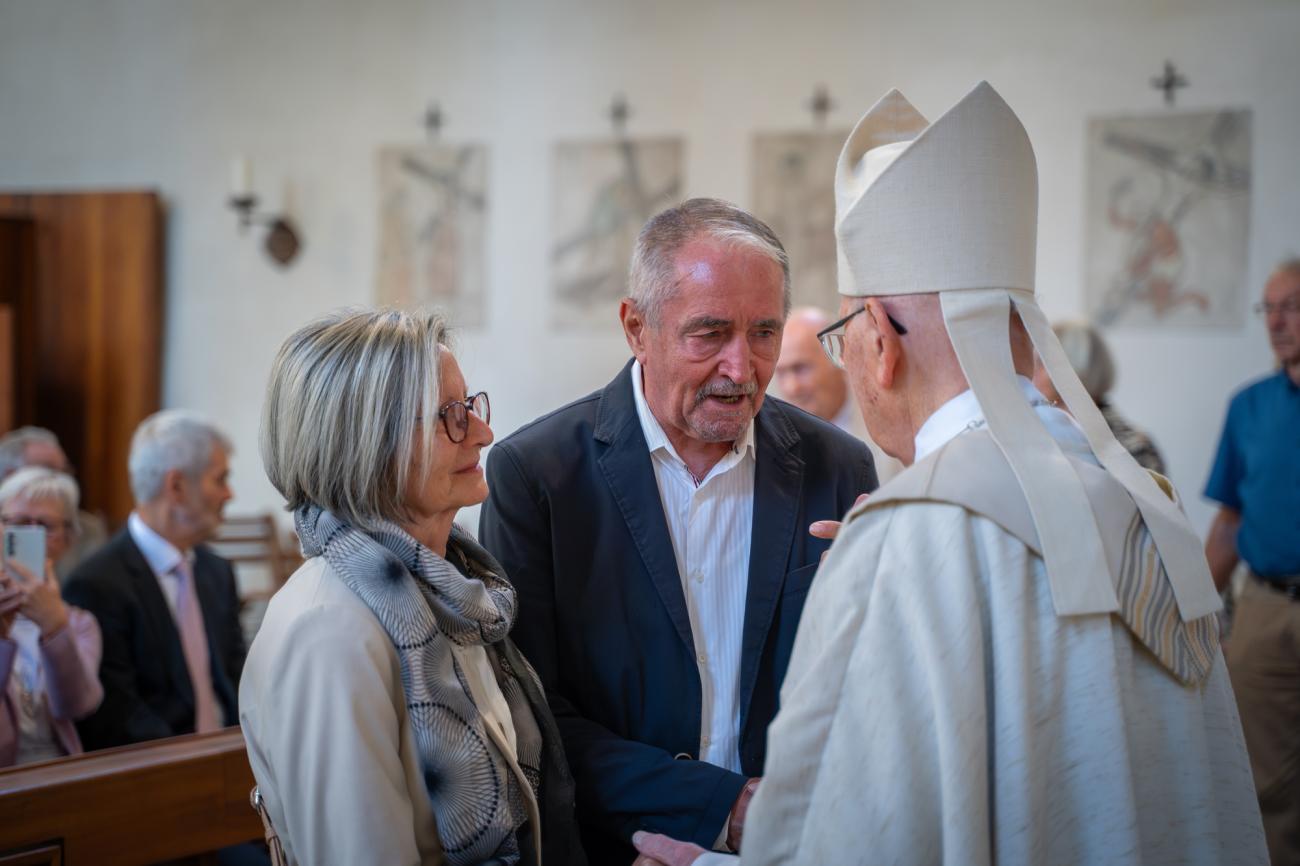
point(806, 377)
point(49, 650)
point(166, 604)
point(36, 446)
point(1256, 481)
point(1095, 367)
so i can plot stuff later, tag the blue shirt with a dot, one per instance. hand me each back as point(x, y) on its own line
point(1257, 474)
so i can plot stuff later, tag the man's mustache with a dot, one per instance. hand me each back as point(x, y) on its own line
point(725, 388)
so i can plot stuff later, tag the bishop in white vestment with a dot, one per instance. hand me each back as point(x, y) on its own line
point(1010, 654)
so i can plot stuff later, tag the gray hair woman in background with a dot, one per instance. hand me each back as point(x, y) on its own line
point(388, 716)
point(1092, 361)
point(49, 650)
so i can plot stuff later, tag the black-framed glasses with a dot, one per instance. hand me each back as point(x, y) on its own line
point(455, 415)
point(832, 336)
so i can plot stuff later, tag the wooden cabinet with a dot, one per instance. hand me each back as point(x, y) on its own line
point(81, 275)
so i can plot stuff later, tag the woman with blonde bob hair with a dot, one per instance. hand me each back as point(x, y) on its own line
point(388, 716)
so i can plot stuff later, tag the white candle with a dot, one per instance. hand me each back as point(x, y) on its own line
point(241, 177)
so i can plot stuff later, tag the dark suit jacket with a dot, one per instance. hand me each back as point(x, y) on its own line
point(147, 688)
point(575, 518)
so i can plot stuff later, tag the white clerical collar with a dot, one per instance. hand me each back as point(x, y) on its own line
point(655, 437)
point(963, 413)
point(161, 554)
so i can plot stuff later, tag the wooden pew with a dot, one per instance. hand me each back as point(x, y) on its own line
point(167, 800)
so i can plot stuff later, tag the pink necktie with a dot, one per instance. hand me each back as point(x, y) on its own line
point(194, 642)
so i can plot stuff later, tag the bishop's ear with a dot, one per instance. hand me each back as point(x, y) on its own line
point(883, 343)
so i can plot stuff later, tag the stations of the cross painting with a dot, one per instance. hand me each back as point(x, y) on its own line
point(820, 105)
point(619, 112)
point(1169, 81)
point(433, 120)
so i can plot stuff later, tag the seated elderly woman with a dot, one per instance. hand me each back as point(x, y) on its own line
point(388, 716)
point(49, 650)
point(1095, 368)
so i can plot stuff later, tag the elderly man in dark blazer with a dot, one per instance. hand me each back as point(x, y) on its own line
point(167, 606)
point(658, 534)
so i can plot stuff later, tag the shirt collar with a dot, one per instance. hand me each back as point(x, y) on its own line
point(655, 437)
point(963, 412)
point(161, 554)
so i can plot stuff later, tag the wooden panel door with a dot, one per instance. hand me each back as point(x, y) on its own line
point(88, 363)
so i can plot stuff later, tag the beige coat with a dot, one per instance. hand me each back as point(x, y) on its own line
point(324, 716)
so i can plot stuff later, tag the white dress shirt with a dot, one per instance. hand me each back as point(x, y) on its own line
point(711, 524)
point(162, 556)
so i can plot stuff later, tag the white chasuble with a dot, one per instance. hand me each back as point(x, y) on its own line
point(938, 710)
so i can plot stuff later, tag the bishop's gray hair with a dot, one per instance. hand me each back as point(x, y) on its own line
point(167, 440)
point(341, 422)
point(1287, 266)
point(652, 277)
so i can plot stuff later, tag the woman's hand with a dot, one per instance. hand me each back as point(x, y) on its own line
point(11, 598)
point(42, 601)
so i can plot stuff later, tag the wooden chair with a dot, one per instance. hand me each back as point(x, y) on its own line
point(256, 540)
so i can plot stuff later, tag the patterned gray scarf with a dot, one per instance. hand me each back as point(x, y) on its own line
point(426, 604)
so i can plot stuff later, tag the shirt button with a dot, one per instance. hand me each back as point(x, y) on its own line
point(698, 577)
point(704, 742)
point(701, 658)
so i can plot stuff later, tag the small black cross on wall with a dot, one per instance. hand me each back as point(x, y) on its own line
point(820, 105)
point(619, 113)
point(1169, 82)
point(433, 120)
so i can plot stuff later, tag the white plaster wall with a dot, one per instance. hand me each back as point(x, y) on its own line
point(163, 93)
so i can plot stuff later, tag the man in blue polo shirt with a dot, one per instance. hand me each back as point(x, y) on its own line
point(1256, 480)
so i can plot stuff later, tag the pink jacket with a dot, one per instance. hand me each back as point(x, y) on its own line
point(72, 688)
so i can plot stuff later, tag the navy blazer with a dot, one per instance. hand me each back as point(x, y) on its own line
point(147, 689)
point(575, 517)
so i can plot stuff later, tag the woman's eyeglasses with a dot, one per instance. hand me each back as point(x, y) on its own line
point(832, 336)
point(51, 527)
point(455, 415)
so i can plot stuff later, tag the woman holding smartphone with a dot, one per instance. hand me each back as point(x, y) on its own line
point(49, 650)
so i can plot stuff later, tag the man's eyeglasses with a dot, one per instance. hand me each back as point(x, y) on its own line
point(455, 415)
point(1289, 307)
point(52, 527)
point(832, 336)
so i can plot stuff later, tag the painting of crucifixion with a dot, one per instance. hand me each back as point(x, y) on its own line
point(1168, 219)
point(604, 192)
point(794, 193)
point(432, 226)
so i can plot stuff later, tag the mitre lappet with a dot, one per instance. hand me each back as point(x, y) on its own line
point(951, 207)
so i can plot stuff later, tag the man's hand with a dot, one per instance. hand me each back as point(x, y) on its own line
point(659, 850)
point(736, 821)
point(831, 528)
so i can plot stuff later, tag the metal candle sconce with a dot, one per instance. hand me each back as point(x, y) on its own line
point(282, 243)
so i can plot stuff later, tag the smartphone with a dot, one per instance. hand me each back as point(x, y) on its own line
point(26, 545)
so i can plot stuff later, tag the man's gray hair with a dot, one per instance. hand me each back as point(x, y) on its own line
point(38, 483)
point(652, 277)
point(167, 440)
point(13, 447)
point(341, 426)
point(1287, 266)
point(1089, 356)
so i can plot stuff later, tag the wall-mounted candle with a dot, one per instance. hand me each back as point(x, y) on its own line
point(241, 177)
